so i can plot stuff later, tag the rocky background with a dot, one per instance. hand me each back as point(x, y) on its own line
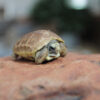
point(74, 77)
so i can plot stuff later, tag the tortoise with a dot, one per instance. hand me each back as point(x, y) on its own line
point(40, 46)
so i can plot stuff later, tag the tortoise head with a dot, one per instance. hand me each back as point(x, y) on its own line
point(53, 50)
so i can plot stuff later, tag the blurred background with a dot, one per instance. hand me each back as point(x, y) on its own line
point(76, 21)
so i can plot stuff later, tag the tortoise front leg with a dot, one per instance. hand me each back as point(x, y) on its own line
point(63, 49)
point(41, 55)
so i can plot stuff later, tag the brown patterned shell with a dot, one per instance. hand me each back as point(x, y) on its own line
point(34, 41)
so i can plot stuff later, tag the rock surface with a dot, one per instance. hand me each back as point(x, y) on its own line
point(74, 77)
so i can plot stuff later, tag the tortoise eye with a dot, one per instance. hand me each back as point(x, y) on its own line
point(51, 48)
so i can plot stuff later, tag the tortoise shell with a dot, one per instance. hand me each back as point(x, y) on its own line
point(30, 43)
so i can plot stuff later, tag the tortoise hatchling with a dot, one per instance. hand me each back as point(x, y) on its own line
point(40, 46)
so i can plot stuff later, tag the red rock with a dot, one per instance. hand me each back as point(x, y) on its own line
point(74, 77)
